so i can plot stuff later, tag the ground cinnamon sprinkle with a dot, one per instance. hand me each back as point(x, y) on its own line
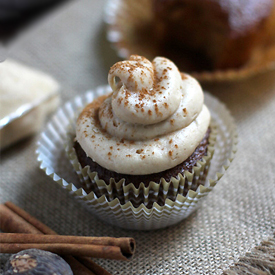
point(183, 76)
point(92, 108)
point(156, 108)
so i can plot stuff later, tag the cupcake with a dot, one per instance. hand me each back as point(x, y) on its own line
point(224, 34)
point(148, 140)
point(215, 41)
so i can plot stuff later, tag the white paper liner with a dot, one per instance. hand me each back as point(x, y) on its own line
point(54, 162)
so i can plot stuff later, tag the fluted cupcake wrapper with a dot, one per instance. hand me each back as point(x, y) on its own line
point(147, 194)
point(54, 161)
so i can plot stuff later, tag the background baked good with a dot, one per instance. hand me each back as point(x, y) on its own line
point(218, 34)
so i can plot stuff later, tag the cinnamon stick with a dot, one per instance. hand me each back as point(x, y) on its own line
point(97, 247)
point(41, 227)
point(14, 219)
point(95, 251)
point(11, 222)
point(87, 262)
point(97, 269)
point(80, 269)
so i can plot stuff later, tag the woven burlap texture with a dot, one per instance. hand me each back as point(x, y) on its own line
point(69, 43)
point(259, 261)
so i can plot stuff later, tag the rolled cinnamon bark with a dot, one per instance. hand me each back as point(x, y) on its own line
point(30, 219)
point(87, 250)
point(106, 247)
point(11, 222)
point(97, 269)
point(15, 219)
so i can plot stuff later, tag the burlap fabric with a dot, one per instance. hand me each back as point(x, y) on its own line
point(70, 45)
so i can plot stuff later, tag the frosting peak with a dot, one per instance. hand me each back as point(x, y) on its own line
point(144, 92)
point(142, 112)
point(152, 121)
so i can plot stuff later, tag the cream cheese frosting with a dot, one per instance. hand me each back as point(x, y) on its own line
point(152, 121)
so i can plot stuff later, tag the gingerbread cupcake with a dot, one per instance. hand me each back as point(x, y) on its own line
point(149, 140)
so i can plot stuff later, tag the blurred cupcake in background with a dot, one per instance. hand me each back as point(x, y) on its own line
point(214, 41)
point(222, 34)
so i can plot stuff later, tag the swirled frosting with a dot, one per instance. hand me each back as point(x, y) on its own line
point(152, 121)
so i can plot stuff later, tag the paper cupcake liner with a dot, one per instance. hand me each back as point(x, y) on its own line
point(148, 194)
point(129, 29)
point(53, 160)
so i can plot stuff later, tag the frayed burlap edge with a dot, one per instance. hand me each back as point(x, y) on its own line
point(260, 261)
